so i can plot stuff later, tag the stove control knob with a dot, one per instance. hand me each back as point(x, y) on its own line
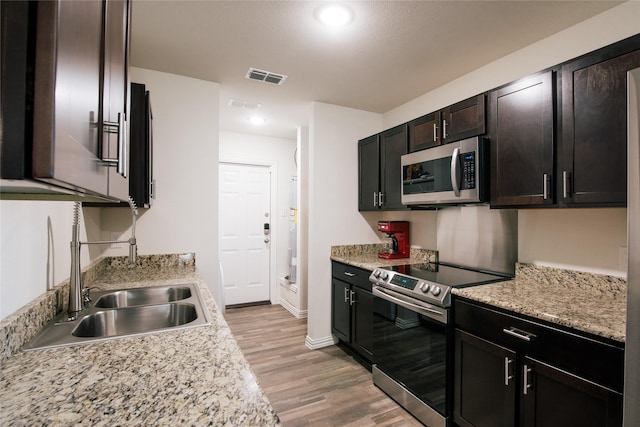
point(424, 287)
point(376, 274)
point(384, 276)
point(435, 290)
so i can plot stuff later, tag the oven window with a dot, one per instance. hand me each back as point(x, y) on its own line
point(432, 176)
point(411, 349)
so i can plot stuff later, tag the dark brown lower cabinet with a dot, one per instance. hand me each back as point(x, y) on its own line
point(484, 396)
point(510, 371)
point(557, 398)
point(352, 311)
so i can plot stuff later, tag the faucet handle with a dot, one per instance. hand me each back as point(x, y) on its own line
point(86, 298)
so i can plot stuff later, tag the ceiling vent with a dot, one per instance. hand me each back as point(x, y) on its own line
point(245, 105)
point(265, 76)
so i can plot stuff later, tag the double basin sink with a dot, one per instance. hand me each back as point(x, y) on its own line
point(126, 312)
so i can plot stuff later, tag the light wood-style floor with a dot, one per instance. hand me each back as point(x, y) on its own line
point(324, 387)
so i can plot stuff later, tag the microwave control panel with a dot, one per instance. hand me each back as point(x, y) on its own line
point(468, 170)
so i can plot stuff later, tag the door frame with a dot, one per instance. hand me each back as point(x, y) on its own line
point(273, 203)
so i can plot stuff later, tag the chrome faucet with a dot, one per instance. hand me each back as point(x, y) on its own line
point(78, 295)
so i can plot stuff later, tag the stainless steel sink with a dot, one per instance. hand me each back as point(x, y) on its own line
point(143, 296)
point(127, 312)
point(133, 320)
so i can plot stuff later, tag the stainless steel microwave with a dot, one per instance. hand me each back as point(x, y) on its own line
point(449, 174)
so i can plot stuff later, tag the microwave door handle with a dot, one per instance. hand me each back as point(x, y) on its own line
point(455, 166)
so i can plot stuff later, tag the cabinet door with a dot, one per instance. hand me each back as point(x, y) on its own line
point(140, 146)
point(393, 144)
point(368, 173)
point(362, 322)
point(464, 119)
point(552, 397)
point(521, 130)
point(592, 161)
point(67, 96)
point(115, 93)
point(484, 383)
point(340, 310)
point(424, 132)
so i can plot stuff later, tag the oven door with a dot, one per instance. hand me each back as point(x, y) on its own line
point(411, 349)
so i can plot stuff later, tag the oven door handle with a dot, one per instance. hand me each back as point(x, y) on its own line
point(431, 312)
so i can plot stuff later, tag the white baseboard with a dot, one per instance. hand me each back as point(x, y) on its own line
point(300, 314)
point(319, 343)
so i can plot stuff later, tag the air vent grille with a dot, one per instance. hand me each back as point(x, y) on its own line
point(265, 76)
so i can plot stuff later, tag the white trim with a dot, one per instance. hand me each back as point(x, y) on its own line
point(300, 314)
point(273, 206)
point(319, 343)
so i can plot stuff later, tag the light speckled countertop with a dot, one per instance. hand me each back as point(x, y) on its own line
point(195, 376)
point(366, 256)
point(591, 303)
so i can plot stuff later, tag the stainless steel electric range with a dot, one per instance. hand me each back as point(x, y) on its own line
point(413, 334)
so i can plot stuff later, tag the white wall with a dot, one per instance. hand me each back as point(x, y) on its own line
point(34, 250)
point(580, 239)
point(583, 241)
point(184, 215)
point(333, 217)
point(278, 152)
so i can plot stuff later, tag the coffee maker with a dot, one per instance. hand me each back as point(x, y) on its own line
point(398, 232)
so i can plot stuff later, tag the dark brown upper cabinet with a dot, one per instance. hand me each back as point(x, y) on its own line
point(380, 171)
point(115, 95)
point(592, 153)
point(521, 128)
point(66, 63)
point(458, 121)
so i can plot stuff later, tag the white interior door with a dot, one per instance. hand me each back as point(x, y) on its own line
point(245, 195)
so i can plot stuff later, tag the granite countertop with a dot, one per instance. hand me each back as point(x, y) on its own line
point(195, 376)
point(366, 256)
point(591, 303)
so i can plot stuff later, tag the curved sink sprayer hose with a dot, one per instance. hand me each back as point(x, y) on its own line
point(78, 296)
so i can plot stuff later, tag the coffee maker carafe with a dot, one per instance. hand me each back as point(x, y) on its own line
point(398, 232)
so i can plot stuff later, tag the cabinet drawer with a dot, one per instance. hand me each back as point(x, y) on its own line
point(352, 275)
point(597, 361)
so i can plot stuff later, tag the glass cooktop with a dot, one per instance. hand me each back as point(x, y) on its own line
point(446, 274)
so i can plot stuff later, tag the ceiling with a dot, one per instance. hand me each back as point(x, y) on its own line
point(391, 53)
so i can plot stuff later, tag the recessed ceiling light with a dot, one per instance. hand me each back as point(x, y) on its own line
point(256, 120)
point(334, 15)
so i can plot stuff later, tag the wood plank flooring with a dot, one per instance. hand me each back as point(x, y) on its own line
point(324, 387)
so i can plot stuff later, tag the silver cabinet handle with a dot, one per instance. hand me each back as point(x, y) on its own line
point(380, 199)
point(545, 192)
point(346, 295)
point(346, 273)
point(375, 198)
point(119, 128)
point(526, 385)
point(454, 171)
point(444, 129)
point(435, 132)
point(526, 336)
point(352, 300)
point(565, 184)
point(507, 370)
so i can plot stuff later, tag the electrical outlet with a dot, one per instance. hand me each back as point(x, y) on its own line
point(624, 260)
point(115, 236)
